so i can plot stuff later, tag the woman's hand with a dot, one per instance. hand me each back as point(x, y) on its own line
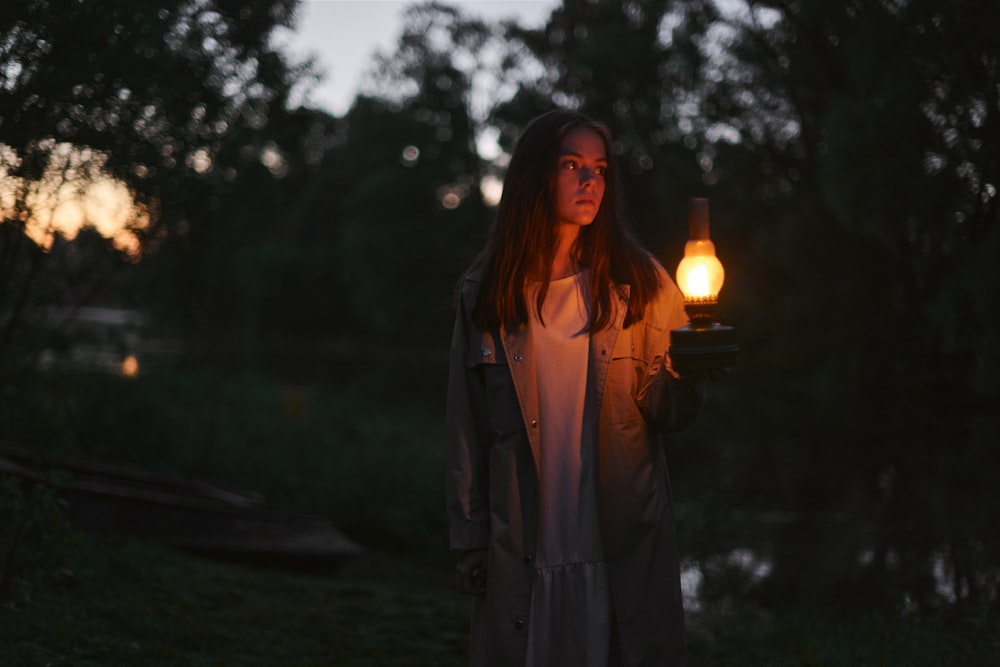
point(470, 573)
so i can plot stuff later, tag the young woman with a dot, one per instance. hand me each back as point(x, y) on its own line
point(557, 490)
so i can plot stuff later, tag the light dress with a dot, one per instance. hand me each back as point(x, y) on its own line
point(570, 621)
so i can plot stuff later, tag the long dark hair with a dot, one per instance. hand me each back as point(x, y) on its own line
point(522, 240)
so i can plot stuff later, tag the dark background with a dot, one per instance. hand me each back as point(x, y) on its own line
point(849, 151)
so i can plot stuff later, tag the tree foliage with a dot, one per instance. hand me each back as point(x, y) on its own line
point(173, 102)
point(412, 216)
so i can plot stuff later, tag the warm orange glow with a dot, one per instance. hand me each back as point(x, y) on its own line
point(130, 366)
point(700, 274)
point(73, 193)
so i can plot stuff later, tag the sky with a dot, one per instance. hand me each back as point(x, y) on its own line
point(344, 36)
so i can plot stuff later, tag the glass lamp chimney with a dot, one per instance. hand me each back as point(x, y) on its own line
point(700, 274)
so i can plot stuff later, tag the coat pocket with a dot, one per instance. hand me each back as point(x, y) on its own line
point(625, 374)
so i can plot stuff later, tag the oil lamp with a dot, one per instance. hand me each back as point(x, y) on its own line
point(703, 344)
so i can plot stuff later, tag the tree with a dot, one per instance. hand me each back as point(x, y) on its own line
point(414, 216)
point(154, 96)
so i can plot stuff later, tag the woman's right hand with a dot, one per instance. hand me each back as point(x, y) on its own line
point(470, 572)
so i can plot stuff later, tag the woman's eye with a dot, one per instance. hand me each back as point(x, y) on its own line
point(573, 165)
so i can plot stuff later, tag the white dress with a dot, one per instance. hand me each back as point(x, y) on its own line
point(570, 621)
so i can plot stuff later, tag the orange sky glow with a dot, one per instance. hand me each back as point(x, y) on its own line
point(74, 193)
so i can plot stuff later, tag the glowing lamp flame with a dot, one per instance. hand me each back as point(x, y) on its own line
point(700, 274)
point(696, 282)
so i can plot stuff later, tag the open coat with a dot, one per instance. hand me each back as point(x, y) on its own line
point(492, 475)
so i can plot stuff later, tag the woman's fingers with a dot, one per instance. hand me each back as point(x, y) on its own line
point(470, 573)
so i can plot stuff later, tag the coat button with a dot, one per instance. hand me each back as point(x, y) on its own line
point(534, 423)
point(487, 351)
point(517, 357)
point(519, 623)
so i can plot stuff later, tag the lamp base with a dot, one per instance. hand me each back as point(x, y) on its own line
point(703, 347)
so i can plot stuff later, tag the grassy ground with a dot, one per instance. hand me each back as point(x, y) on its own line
point(370, 461)
point(137, 604)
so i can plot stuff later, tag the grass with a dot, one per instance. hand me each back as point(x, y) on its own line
point(371, 461)
point(123, 603)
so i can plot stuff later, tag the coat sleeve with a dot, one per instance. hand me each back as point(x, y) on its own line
point(466, 441)
point(669, 401)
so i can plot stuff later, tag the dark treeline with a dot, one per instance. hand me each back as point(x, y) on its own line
point(849, 150)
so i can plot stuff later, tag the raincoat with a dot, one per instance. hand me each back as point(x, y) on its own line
point(491, 475)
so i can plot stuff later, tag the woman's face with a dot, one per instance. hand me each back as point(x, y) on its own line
point(580, 169)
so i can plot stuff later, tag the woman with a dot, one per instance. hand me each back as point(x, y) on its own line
point(557, 490)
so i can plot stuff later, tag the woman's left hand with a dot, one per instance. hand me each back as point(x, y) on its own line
point(470, 572)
